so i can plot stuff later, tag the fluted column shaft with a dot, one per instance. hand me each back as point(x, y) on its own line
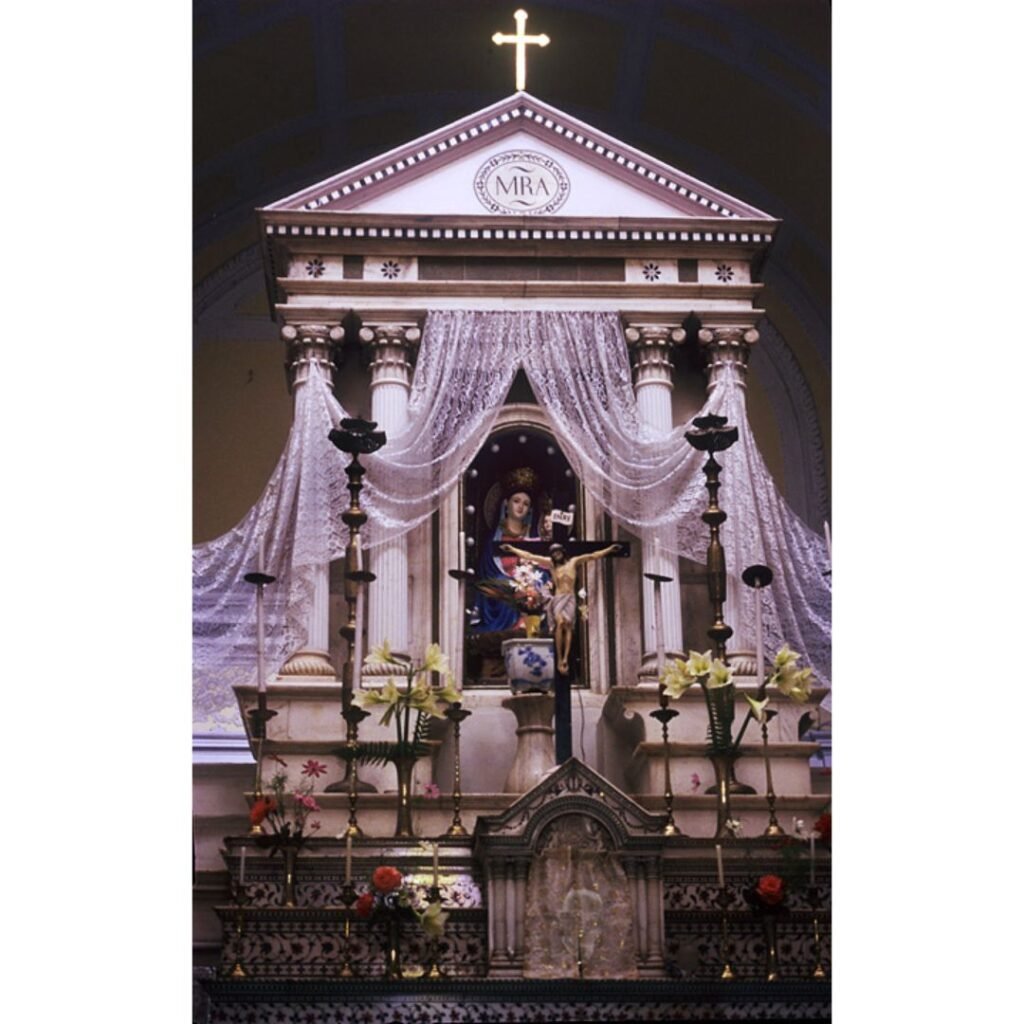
point(310, 344)
point(650, 348)
point(727, 351)
point(388, 599)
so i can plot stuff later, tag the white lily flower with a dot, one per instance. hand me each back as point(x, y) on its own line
point(434, 660)
point(786, 657)
point(757, 708)
point(720, 675)
point(381, 655)
point(699, 664)
point(676, 678)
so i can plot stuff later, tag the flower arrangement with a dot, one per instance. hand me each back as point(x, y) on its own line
point(715, 679)
point(390, 897)
point(767, 894)
point(287, 809)
point(528, 591)
point(399, 702)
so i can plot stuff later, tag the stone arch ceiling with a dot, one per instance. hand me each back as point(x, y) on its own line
point(735, 92)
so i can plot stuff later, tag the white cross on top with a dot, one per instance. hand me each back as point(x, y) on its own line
point(521, 39)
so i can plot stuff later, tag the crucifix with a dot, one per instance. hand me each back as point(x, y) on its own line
point(521, 39)
point(563, 561)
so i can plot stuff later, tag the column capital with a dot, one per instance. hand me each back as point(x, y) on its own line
point(727, 347)
point(649, 345)
point(392, 346)
point(308, 344)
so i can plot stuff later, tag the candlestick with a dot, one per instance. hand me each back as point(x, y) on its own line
point(457, 714)
point(241, 869)
point(721, 867)
point(348, 858)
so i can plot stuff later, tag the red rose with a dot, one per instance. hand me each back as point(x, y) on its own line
point(770, 890)
point(260, 809)
point(364, 905)
point(387, 879)
point(824, 826)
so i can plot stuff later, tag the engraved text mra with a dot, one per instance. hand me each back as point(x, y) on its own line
point(520, 185)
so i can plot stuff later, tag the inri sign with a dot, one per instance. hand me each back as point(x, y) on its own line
point(521, 182)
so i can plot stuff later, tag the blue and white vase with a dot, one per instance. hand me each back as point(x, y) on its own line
point(529, 664)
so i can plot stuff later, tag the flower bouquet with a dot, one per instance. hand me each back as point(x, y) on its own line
point(715, 679)
point(286, 811)
point(528, 591)
point(767, 898)
point(391, 901)
point(418, 695)
point(767, 894)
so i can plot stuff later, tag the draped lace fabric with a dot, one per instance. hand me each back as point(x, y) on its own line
point(578, 907)
point(578, 367)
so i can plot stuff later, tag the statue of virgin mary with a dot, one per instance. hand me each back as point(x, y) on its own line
point(517, 519)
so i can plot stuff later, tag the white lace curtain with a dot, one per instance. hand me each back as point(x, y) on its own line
point(578, 367)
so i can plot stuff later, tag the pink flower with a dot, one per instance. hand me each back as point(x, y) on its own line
point(431, 790)
point(314, 768)
point(307, 801)
point(694, 782)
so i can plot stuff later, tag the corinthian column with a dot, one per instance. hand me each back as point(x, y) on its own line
point(649, 345)
point(388, 615)
point(309, 344)
point(727, 351)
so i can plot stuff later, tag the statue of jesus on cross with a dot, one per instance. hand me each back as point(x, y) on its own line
point(561, 610)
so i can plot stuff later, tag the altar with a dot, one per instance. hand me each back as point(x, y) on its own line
point(518, 350)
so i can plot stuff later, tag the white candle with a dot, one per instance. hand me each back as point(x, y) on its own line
point(435, 864)
point(241, 869)
point(659, 626)
point(357, 654)
point(759, 633)
point(461, 560)
point(721, 867)
point(828, 542)
point(348, 859)
point(261, 676)
point(812, 859)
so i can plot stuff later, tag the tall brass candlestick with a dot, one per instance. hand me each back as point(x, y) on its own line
point(815, 900)
point(238, 895)
point(348, 897)
point(433, 971)
point(261, 714)
point(354, 437)
point(710, 434)
point(457, 714)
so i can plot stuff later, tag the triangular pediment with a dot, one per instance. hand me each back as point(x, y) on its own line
point(520, 157)
point(573, 787)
